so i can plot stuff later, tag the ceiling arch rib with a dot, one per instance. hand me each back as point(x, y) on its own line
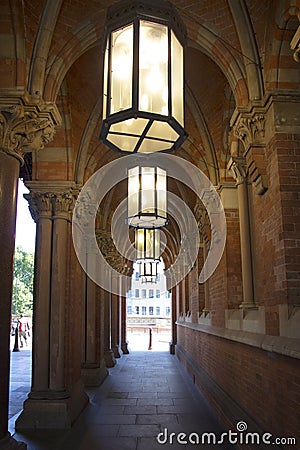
point(42, 46)
point(248, 44)
point(210, 155)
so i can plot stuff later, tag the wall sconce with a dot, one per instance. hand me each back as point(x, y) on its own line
point(147, 197)
point(143, 86)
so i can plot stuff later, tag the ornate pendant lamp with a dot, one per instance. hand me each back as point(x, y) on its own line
point(147, 197)
point(147, 244)
point(143, 86)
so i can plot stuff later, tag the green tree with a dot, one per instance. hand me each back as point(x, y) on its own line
point(23, 282)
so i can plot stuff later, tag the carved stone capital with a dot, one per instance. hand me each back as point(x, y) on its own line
point(40, 205)
point(239, 170)
point(63, 204)
point(250, 129)
point(25, 128)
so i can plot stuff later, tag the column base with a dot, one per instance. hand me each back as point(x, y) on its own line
point(109, 359)
point(52, 410)
point(116, 352)
point(124, 348)
point(93, 374)
point(9, 443)
point(248, 305)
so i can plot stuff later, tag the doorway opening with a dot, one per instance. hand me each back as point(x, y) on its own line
point(149, 313)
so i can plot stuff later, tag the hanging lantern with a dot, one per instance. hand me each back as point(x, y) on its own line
point(147, 244)
point(143, 86)
point(147, 197)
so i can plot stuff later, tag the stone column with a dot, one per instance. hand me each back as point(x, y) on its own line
point(124, 344)
point(56, 397)
point(173, 320)
point(24, 128)
point(108, 353)
point(238, 168)
point(115, 317)
point(206, 308)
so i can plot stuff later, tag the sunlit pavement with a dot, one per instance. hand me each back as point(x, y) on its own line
point(20, 378)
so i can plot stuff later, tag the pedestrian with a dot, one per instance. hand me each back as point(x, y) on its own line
point(23, 328)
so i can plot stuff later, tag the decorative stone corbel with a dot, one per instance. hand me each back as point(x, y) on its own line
point(295, 44)
point(26, 128)
point(249, 127)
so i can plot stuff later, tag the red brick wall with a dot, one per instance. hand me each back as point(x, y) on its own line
point(265, 385)
point(225, 285)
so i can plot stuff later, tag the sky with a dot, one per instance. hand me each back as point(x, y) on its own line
point(25, 226)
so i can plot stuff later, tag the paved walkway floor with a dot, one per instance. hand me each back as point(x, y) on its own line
point(145, 394)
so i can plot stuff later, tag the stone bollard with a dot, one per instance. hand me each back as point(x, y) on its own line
point(150, 339)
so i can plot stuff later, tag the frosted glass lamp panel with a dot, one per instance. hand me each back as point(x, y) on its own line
point(151, 146)
point(153, 67)
point(162, 130)
point(149, 250)
point(133, 191)
point(156, 244)
point(130, 126)
point(139, 243)
point(148, 190)
point(177, 78)
point(123, 142)
point(161, 187)
point(121, 69)
point(104, 109)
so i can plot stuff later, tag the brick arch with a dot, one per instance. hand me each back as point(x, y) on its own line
point(281, 71)
point(232, 68)
point(13, 54)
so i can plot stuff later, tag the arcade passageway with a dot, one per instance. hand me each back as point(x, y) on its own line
point(222, 109)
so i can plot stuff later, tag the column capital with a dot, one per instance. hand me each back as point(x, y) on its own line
point(26, 127)
point(51, 201)
point(249, 127)
point(238, 167)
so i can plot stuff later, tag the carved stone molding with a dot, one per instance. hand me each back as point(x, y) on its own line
point(239, 170)
point(110, 253)
point(250, 129)
point(25, 128)
point(63, 204)
point(40, 205)
point(47, 201)
point(295, 44)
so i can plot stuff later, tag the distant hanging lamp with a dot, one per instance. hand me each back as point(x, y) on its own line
point(147, 197)
point(147, 244)
point(143, 86)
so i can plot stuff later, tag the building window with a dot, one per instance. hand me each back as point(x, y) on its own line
point(137, 293)
point(168, 310)
point(158, 277)
point(136, 276)
point(143, 310)
point(150, 310)
point(151, 293)
point(143, 293)
point(129, 293)
point(158, 311)
point(157, 293)
point(129, 309)
point(137, 309)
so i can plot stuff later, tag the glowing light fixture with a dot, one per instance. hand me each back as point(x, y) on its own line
point(147, 197)
point(147, 244)
point(143, 86)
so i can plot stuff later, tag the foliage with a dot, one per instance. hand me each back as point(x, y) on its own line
point(23, 282)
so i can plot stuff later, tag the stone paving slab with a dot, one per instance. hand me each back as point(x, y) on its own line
point(129, 415)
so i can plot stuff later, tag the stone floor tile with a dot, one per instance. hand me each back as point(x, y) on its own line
point(160, 419)
point(139, 430)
